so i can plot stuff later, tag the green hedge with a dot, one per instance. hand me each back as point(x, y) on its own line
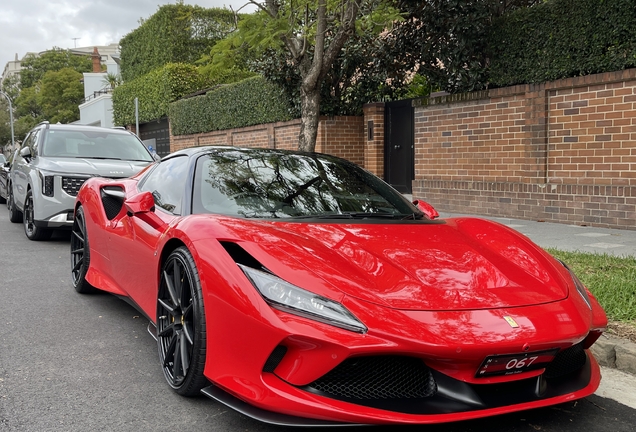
point(246, 103)
point(155, 91)
point(176, 33)
point(562, 38)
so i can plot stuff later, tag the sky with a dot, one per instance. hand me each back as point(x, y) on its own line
point(39, 25)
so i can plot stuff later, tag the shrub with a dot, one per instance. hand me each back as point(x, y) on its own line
point(246, 103)
point(562, 38)
point(155, 91)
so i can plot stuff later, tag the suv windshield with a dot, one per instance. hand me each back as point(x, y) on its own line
point(94, 145)
point(275, 184)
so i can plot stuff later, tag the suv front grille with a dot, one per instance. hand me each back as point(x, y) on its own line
point(71, 185)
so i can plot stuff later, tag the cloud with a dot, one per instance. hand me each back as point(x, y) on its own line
point(39, 25)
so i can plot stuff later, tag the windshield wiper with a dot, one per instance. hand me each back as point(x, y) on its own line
point(97, 157)
point(350, 215)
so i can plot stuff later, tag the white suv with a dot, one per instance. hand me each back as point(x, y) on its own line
point(53, 163)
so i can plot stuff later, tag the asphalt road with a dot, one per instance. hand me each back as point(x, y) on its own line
point(71, 362)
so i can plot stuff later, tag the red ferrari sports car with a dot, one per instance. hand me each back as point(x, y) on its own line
point(300, 289)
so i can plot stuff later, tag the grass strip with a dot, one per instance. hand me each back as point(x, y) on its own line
point(612, 280)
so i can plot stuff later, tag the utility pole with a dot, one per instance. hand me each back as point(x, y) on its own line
point(75, 41)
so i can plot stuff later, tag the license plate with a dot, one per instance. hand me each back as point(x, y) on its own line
point(510, 364)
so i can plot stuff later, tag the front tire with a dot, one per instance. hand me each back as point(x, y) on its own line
point(181, 336)
point(15, 215)
point(33, 232)
point(80, 254)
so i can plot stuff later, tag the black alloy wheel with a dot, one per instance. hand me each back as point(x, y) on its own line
point(33, 232)
point(181, 324)
point(80, 254)
point(15, 215)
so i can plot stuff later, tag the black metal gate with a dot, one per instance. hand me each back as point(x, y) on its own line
point(399, 145)
point(156, 134)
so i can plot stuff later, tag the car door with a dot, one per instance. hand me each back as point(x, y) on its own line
point(133, 240)
point(22, 167)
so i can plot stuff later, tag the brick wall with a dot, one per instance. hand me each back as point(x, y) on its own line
point(374, 136)
point(561, 151)
point(339, 136)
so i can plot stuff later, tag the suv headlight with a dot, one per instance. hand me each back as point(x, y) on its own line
point(579, 285)
point(289, 298)
point(46, 179)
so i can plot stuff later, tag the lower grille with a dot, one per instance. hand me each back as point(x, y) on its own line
point(566, 362)
point(377, 378)
point(72, 185)
point(275, 358)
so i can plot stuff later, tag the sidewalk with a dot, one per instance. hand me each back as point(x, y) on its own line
point(571, 237)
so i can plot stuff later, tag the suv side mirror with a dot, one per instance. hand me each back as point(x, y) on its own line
point(25, 152)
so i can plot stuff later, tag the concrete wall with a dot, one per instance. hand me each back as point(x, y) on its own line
point(97, 111)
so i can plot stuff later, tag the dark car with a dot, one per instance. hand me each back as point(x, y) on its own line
point(5, 168)
point(54, 161)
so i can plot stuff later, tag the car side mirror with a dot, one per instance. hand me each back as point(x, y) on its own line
point(25, 152)
point(428, 210)
point(140, 203)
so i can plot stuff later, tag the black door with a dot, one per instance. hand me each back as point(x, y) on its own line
point(156, 134)
point(399, 145)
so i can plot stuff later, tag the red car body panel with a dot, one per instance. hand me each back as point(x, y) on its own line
point(438, 291)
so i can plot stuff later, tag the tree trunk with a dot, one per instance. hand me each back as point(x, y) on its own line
point(310, 116)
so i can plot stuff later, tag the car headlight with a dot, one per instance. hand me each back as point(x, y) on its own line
point(46, 179)
point(289, 298)
point(579, 285)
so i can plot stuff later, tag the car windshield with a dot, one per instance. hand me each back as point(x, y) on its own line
point(275, 184)
point(97, 144)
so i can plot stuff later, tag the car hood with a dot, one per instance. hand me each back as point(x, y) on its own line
point(93, 167)
point(452, 264)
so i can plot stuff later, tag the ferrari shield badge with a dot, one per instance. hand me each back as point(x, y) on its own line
point(511, 321)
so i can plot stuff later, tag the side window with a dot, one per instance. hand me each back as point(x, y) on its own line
point(167, 183)
point(34, 143)
point(31, 141)
point(28, 140)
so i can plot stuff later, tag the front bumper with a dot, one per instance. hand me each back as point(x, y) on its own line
point(451, 345)
point(56, 211)
point(455, 401)
point(62, 220)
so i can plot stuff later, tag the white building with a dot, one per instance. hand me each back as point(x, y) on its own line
point(97, 108)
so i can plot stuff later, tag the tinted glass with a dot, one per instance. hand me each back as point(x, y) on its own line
point(30, 141)
point(273, 184)
point(167, 183)
point(94, 145)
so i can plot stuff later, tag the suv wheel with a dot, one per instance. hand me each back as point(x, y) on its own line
point(33, 232)
point(15, 215)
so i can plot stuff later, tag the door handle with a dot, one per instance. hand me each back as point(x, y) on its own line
point(397, 146)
